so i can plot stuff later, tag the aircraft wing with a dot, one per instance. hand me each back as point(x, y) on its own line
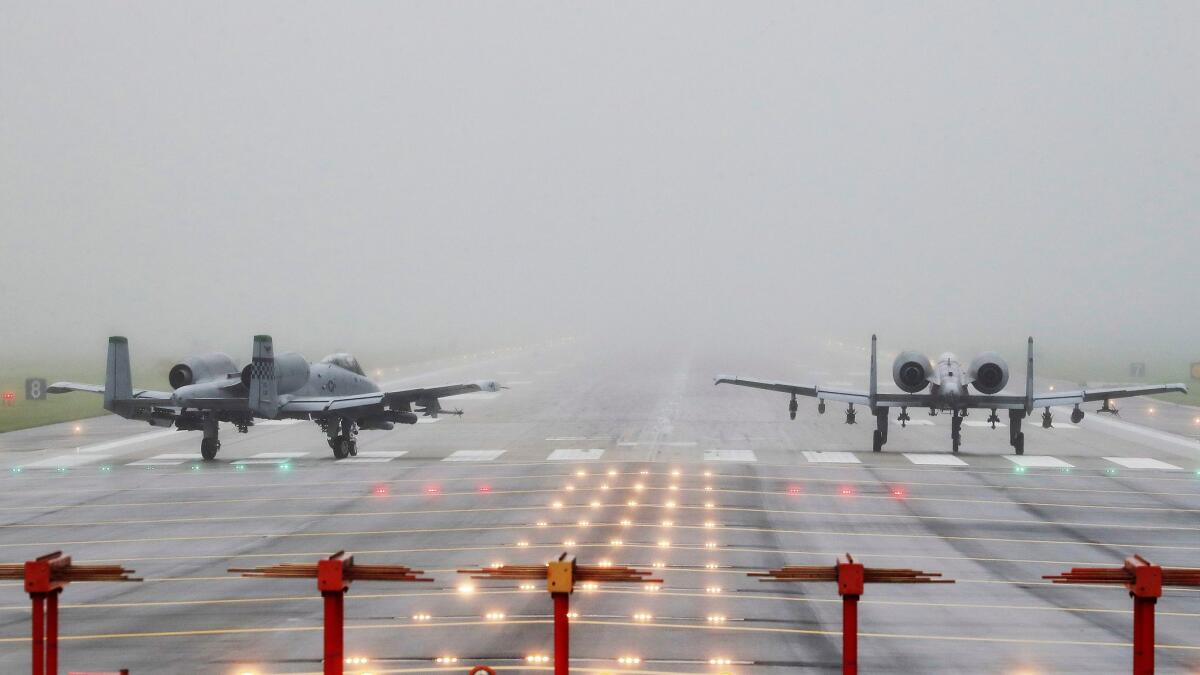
point(846, 396)
point(148, 395)
point(401, 399)
point(1047, 399)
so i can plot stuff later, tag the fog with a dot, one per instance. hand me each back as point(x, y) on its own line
point(468, 174)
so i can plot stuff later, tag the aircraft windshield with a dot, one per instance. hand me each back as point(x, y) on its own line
point(344, 360)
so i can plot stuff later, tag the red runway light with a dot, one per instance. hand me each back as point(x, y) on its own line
point(794, 490)
point(899, 492)
point(380, 490)
point(432, 490)
point(485, 488)
point(847, 491)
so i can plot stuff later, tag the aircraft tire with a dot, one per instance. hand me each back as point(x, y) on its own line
point(877, 444)
point(342, 450)
point(1019, 445)
point(209, 448)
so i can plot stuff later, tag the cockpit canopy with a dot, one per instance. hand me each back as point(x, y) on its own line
point(344, 360)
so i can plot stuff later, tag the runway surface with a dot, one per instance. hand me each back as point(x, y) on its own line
point(634, 458)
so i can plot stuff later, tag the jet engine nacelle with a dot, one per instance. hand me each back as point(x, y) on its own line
point(911, 371)
point(291, 372)
point(202, 368)
point(989, 373)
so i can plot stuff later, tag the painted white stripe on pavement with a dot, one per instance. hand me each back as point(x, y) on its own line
point(730, 456)
point(473, 455)
point(1038, 461)
point(389, 454)
point(566, 454)
point(64, 461)
point(167, 459)
point(129, 440)
point(938, 459)
point(277, 455)
point(831, 457)
point(428, 420)
point(364, 460)
point(665, 444)
point(1142, 463)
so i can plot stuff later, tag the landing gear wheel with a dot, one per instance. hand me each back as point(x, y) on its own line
point(209, 448)
point(1019, 443)
point(341, 449)
point(333, 443)
point(877, 445)
point(353, 447)
point(956, 443)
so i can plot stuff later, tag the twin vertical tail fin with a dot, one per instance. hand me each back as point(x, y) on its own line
point(1029, 379)
point(264, 393)
point(118, 383)
point(874, 374)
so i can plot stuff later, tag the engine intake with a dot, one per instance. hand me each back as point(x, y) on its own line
point(989, 373)
point(202, 368)
point(911, 371)
point(291, 372)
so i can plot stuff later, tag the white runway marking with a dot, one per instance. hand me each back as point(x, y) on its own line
point(64, 461)
point(363, 460)
point(275, 423)
point(1038, 461)
point(831, 457)
point(120, 442)
point(665, 444)
point(279, 460)
point(473, 455)
point(916, 423)
point(1142, 463)
point(977, 423)
point(730, 456)
point(277, 455)
point(427, 420)
point(168, 459)
point(941, 460)
point(564, 454)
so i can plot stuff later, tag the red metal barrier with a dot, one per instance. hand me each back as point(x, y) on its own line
point(333, 576)
point(560, 577)
point(45, 578)
point(850, 577)
point(1145, 582)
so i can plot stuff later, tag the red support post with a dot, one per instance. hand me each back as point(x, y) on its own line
point(52, 631)
point(39, 633)
point(562, 634)
point(850, 579)
point(331, 581)
point(1145, 589)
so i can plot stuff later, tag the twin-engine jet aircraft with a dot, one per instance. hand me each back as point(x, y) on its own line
point(210, 388)
point(949, 384)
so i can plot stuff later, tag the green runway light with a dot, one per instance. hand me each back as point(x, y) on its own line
point(239, 467)
point(17, 469)
point(1018, 469)
point(195, 467)
point(105, 468)
point(1110, 471)
point(285, 467)
point(61, 469)
point(1066, 469)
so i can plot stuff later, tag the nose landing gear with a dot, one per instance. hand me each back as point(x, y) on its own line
point(1076, 415)
point(956, 430)
point(793, 407)
point(821, 407)
point(903, 417)
point(850, 414)
point(1047, 419)
point(993, 418)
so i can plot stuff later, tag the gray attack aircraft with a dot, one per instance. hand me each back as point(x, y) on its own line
point(950, 386)
point(210, 388)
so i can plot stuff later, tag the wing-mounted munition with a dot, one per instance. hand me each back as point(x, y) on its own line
point(209, 389)
point(947, 386)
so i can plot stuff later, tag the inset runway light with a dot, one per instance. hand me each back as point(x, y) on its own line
point(707, 474)
point(432, 490)
point(106, 468)
point(899, 492)
point(285, 467)
point(673, 487)
point(629, 660)
point(541, 523)
point(642, 617)
point(651, 588)
point(569, 488)
point(612, 472)
point(584, 523)
point(568, 542)
point(537, 658)
point(1196, 420)
point(794, 490)
point(572, 615)
point(589, 586)
point(522, 544)
point(1018, 469)
point(709, 524)
point(708, 488)
point(631, 502)
point(663, 543)
point(1110, 471)
point(712, 590)
point(846, 490)
point(639, 487)
point(581, 473)
point(446, 659)
point(15, 469)
point(1150, 410)
point(485, 488)
point(715, 618)
point(658, 564)
point(466, 589)
point(78, 429)
point(239, 467)
point(711, 566)
point(710, 544)
point(625, 522)
point(615, 542)
point(494, 616)
point(710, 505)
point(675, 472)
point(603, 486)
point(380, 490)
point(719, 661)
point(645, 472)
point(595, 503)
point(528, 587)
point(357, 660)
point(605, 563)
point(669, 504)
point(668, 523)
point(421, 616)
point(556, 505)
point(497, 564)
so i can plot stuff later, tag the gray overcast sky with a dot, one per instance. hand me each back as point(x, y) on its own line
point(363, 174)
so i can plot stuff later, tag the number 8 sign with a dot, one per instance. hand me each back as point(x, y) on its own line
point(35, 389)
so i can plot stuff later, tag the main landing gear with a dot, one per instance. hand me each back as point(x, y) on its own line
point(343, 438)
point(1016, 437)
point(879, 438)
point(211, 443)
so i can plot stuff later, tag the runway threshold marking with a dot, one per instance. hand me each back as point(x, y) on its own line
point(838, 457)
point(730, 456)
point(170, 458)
point(1142, 463)
point(934, 459)
point(65, 461)
point(572, 454)
point(1038, 461)
point(473, 456)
